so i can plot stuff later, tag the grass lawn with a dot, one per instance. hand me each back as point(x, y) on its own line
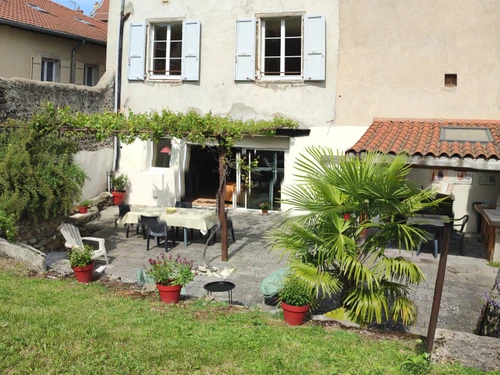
point(62, 327)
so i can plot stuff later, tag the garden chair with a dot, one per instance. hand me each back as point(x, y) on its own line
point(432, 235)
point(73, 239)
point(184, 205)
point(458, 234)
point(153, 228)
point(230, 229)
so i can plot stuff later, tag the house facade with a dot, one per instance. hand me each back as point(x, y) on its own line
point(44, 41)
point(250, 61)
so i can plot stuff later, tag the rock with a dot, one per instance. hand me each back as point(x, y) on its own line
point(33, 258)
point(202, 269)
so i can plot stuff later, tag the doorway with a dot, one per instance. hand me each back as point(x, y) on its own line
point(202, 177)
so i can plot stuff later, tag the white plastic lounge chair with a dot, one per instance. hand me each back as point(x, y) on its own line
point(73, 239)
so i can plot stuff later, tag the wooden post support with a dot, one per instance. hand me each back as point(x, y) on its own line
point(222, 205)
point(438, 290)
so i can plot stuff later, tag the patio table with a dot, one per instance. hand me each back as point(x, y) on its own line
point(192, 218)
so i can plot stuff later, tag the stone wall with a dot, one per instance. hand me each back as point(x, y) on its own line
point(43, 235)
point(20, 98)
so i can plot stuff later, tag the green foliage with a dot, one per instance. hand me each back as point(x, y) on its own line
point(8, 227)
point(346, 214)
point(494, 264)
point(40, 178)
point(264, 205)
point(190, 126)
point(295, 292)
point(80, 256)
point(417, 365)
point(119, 181)
point(86, 203)
point(171, 271)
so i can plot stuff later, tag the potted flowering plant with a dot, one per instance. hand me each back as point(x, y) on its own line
point(84, 206)
point(170, 275)
point(264, 207)
point(119, 182)
point(80, 259)
point(295, 299)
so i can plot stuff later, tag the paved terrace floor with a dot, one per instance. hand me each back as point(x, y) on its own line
point(467, 277)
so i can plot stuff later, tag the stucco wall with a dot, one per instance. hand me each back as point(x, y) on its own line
point(20, 98)
point(394, 54)
point(18, 47)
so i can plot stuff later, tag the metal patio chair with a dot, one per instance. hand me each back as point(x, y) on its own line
point(458, 234)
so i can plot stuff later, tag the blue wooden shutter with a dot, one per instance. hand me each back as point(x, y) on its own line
point(314, 47)
point(246, 34)
point(191, 50)
point(136, 51)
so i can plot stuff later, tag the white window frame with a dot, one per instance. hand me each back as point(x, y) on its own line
point(151, 149)
point(283, 37)
point(44, 69)
point(167, 75)
point(95, 72)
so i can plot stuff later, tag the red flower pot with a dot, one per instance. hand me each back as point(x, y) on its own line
point(83, 209)
point(84, 274)
point(294, 315)
point(264, 212)
point(169, 294)
point(118, 197)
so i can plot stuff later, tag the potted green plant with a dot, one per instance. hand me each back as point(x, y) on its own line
point(170, 275)
point(264, 206)
point(295, 298)
point(84, 206)
point(119, 183)
point(80, 259)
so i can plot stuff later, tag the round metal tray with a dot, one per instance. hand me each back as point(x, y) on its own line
point(219, 286)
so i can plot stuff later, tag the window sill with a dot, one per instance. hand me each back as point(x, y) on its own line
point(291, 82)
point(164, 79)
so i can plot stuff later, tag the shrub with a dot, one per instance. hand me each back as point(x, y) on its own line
point(8, 228)
point(40, 178)
point(169, 271)
point(80, 256)
point(295, 292)
point(119, 182)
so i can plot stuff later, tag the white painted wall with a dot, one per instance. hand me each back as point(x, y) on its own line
point(96, 164)
point(465, 195)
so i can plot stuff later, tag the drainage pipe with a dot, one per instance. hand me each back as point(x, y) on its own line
point(73, 61)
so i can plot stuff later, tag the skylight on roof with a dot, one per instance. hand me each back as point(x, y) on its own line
point(83, 21)
point(36, 7)
point(462, 134)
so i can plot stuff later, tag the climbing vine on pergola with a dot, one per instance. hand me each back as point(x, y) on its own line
point(191, 126)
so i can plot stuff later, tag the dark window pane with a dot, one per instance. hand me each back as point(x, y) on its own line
point(161, 32)
point(159, 66)
point(273, 28)
point(175, 49)
point(161, 154)
point(50, 71)
point(89, 76)
point(273, 47)
point(293, 66)
point(293, 47)
point(160, 49)
point(272, 66)
point(293, 27)
point(176, 32)
point(175, 67)
point(44, 66)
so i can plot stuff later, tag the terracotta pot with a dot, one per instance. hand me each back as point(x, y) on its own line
point(118, 197)
point(169, 294)
point(264, 212)
point(294, 315)
point(84, 274)
point(83, 209)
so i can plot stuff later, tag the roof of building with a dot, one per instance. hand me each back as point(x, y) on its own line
point(101, 11)
point(52, 18)
point(423, 137)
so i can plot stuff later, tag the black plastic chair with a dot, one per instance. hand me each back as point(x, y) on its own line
point(230, 229)
point(159, 230)
point(458, 234)
point(184, 205)
point(432, 235)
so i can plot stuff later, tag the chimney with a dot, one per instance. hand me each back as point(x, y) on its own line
point(79, 10)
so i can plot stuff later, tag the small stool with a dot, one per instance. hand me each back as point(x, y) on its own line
point(220, 286)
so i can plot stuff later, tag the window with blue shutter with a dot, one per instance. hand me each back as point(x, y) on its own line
point(136, 51)
point(244, 68)
point(314, 47)
point(191, 50)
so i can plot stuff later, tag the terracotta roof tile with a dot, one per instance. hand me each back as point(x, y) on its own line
point(54, 17)
point(423, 137)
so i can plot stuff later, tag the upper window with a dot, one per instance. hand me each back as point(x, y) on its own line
point(166, 59)
point(48, 70)
point(281, 48)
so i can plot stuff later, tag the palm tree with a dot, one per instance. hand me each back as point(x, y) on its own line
point(344, 212)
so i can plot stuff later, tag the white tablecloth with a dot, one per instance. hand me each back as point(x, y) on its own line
point(424, 219)
point(182, 217)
